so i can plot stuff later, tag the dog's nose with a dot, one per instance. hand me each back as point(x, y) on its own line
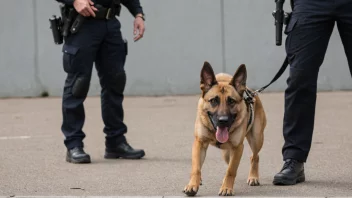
point(223, 119)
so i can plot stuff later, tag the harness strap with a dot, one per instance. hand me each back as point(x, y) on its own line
point(249, 100)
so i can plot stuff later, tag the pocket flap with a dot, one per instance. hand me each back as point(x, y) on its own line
point(291, 25)
point(70, 49)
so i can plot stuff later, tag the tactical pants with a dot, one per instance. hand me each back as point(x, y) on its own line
point(98, 41)
point(308, 35)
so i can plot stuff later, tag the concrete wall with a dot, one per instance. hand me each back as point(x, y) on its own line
point(180, 36)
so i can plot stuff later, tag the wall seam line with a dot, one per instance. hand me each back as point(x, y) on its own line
point(36, 49)
point(223, 47)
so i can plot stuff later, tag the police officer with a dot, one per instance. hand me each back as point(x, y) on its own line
point(308, 35)
point(97, 40)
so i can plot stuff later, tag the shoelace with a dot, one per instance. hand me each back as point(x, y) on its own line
point(290, 164)
point(78, 149)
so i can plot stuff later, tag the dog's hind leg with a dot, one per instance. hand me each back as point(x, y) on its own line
point(255, 138)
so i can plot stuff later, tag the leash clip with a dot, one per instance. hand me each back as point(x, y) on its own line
point(256, 92)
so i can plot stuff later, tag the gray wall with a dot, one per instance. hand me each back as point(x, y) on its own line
point(180, 36)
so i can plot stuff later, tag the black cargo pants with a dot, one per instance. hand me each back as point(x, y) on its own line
point(308, 35)
point(98, 41)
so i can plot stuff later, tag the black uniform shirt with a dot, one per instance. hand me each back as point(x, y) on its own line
point(133, 6)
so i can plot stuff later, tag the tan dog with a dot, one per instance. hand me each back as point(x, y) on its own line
point(224, 119)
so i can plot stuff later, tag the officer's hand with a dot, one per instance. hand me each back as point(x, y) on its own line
point(85, 7)
point(138, 25)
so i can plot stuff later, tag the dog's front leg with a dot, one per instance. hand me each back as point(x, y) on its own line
point(229, 179)
point(198, 156)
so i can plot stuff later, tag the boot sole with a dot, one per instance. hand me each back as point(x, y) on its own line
point(284, 181)
point(78, 161)
point(116, 156)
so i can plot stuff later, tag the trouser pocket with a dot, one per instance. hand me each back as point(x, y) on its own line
point(69, 54)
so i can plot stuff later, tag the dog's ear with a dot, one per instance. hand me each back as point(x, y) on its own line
point(207, 78)
point(239, 80)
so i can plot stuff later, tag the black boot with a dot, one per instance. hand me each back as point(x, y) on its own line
point(77, 156)
point(123, 150)
point(291, 173)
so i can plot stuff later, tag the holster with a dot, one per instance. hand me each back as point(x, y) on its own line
point(116, 7)
point(289, 14)
point(77, 23)
point(68, 20)
point(72, 20)
point(68, 15)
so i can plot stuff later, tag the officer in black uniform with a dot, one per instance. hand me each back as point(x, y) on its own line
point(97, 38)
point(308, 35)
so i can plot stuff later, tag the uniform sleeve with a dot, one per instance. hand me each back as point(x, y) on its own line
point(67, 2)
point(134, 6)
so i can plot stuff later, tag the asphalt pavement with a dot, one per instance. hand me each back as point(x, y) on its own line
point(32, 153)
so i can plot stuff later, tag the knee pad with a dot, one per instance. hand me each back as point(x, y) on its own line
point(118, 82)
point(80, 87)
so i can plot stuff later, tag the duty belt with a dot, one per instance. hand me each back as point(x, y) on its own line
point(104, 13)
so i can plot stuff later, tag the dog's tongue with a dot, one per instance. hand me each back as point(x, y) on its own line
point(222, 134)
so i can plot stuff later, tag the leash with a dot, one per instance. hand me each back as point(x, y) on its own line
point(277, 76)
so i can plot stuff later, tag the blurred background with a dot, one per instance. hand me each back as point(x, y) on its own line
point(180, 36)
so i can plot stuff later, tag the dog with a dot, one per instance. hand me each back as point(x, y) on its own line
point(225, 117)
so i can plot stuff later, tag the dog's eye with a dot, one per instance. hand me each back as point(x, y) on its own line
point(230, 101)
point(214, 101)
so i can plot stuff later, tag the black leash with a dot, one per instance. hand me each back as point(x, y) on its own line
point(277, 76)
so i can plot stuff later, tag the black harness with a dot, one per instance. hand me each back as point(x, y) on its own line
point(250, 102)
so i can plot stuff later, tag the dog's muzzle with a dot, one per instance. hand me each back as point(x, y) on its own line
point(221, 121)
point(221, 125)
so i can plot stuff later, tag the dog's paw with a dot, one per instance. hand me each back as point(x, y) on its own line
point(226, 191)
point(191, 190)
point(253, 182)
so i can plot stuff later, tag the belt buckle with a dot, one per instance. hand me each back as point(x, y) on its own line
point(108, 14)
